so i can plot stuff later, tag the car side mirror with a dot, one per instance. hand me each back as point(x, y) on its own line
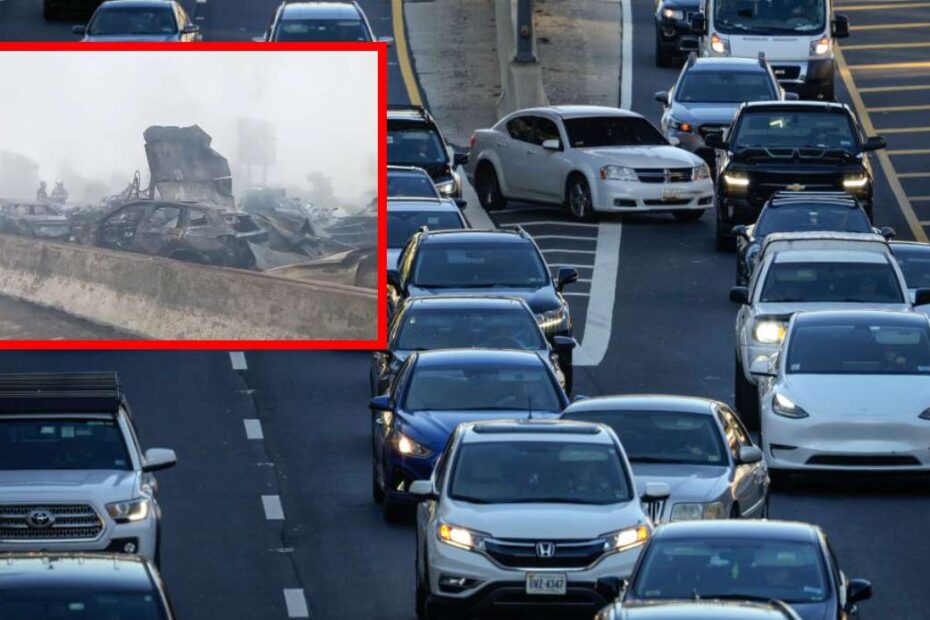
point(749, 455)
point(921, 296)
point(739, 295)
point(459, 159)
point(656, 492)
point(715, 140)
point(552, 144)
point(874, 143)
point(887, 232)
point(388, 40)
point(662, 97)
point(157, 459)
point(567, 275)
point(461, 204)
point(858, 590)
point(699, 24)
point(422, 489)
point(840, 27)
point(761, 366)
point(79, 30)
point(380, 403)
point(789, 96)
point(740, 231)
point(564, 343)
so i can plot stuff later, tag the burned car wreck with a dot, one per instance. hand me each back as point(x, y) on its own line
point(34, 219)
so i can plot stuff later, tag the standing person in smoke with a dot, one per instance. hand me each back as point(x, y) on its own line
point(41, 194)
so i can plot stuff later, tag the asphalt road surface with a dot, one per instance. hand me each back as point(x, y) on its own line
point(228, 549)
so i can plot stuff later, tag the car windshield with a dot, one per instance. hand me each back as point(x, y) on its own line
point(859, 349)
point(811, 217)
point(322, 30)
point(133, 20)
point(594, 131)
point(410, 185)
point(789, 571)
point(479, 265)
point(771, 17)
point(462, 328)
point(915, 264)
point(725, 87)
point(505, 472)
point(795, 129)
point(77, 603)
point(662, 436)
point(61, 444)
point(470, 387)
point(402, 224)
point(832, 282)
point(415, 146)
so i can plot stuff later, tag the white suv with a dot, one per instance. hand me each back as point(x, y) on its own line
point(72, 474)
point(528, 514)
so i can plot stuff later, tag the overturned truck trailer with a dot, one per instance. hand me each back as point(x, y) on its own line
point(184, 167)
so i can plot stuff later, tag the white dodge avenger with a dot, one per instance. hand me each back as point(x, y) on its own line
point(848, 390)
point(588, 158)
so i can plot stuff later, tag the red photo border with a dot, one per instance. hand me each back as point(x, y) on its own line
point(381, 338)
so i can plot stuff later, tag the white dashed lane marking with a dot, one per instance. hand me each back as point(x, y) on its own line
point(237, 358)
point(273, 509)
point(253, 429)
point(296, 603)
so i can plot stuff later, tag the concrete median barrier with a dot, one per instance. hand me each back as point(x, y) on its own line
point(160, 298)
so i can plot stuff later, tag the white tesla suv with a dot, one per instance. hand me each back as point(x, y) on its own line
point(589, 158)
point(526, 515)
point(848, 390)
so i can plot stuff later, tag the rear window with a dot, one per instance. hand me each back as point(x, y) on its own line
point(463, 328)
point(788, 282)
point(489, 388)
point(480, 265)
point(62, 444)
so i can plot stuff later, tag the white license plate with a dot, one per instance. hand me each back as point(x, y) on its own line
point(546, 583)
point(671, 194)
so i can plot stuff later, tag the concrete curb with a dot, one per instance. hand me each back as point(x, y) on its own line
point(521, 83)
point(166, 299)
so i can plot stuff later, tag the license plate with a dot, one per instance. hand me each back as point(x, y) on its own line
point(546, 583)
point(671, 194)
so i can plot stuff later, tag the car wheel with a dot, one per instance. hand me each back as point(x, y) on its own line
point(664, 58)
point(735, 511)
point(724, 241)
point(567, 367)
point(578, 197)
point(747, 398)
point(394, 512)
point(781, 480)
point(691, 215)
point(377, 494)
point(489, 189)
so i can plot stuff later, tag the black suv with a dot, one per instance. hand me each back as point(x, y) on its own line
point(503, 263)
point(674, 35)
point(788, 145)
point(414, 139)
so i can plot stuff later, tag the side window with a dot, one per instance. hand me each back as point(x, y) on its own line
point(736, 436)
point(400, 380)
point(196, 217)
point(129, 216)
point(521, 128)
point(162, 219)
point(442, 463)
point(546, 129)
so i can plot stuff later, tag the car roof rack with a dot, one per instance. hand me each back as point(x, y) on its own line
point(65, 392)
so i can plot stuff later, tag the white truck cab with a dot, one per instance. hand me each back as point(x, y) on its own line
point(796, 37)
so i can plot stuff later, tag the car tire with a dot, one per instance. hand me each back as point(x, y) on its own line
point(781, 481)
point(377, 493)
point(723, 240)
point(747, 398)
point(488, 188)
point(578, 199)
point(566, 365)
point(664, 58)
point(735, 512)
point(690, 215)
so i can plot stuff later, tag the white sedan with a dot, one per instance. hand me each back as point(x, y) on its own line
point(848, 390)
point(589, 158)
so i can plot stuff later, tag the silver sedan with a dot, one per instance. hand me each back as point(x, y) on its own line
point(697, 446)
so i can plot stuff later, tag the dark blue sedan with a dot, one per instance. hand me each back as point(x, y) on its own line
point(434, 392)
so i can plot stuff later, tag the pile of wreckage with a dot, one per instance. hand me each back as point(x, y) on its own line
point(188, 212)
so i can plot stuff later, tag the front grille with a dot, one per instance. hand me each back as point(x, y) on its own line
point(786, 72)
point(566, 553)
point(655, 509)
point(663, 175)
point(879, 460)
point(49, 522)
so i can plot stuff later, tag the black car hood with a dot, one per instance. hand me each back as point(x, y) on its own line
point(539, 300)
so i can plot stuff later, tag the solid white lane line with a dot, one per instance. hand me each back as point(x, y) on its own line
point(253, 429)
point(296, 603)
point(555, 250)
point(576, 295)
point(555, 266)
point(237, 358)
point(569, 237)
point(601, 306)
point(273, 509)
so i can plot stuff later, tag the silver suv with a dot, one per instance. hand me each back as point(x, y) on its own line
point(72, 474)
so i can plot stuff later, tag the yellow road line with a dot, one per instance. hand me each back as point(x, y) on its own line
point(891, 66)
point(403, 54)
point(884, 5)
point(908, 151)
point(901, 108)
point(883, 159)
point(890, 130)
point(889, 26)
point(883, 46)
point(894, 89)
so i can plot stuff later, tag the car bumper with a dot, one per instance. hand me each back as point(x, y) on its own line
point(143, 535)
point(628, 197)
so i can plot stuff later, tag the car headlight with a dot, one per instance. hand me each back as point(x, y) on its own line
point(820, 47)
point(676, 14)
point(407, 446)
point(129, 510)
point(855, 181)
point(678, 125)
point(736, 179)
point(460, 537)
point(618, 173)
point(769, 332)
point(700, 172)
point(784, 406)
point(627, 539)
point(446, 188)
point(719, 45)
point(553, 320)
point(695, 511)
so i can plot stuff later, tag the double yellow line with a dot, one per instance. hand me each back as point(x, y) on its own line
point(403, 53)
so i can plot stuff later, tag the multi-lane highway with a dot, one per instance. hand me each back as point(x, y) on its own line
point(268, 514)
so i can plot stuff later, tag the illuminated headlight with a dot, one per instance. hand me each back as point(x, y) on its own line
point(736, 179)
point(618, 173)
point(130, 510)
point(409, 447)
point(820, 47)
point(700, 172)
point(855, 181)
point(446, 188)
point(627, 539)
point(676, 14)
point(784, 406)
point(697, 511)
point(460, 537)
point(553, 320)
point(719, 45)
point(769, 332)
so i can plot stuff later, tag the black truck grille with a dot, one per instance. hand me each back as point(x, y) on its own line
point(49, 522)
point(565, 553)
point(663, 175)
point(763, 185)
